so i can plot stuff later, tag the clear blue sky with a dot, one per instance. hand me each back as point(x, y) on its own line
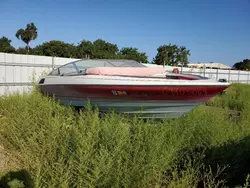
point(213, 30)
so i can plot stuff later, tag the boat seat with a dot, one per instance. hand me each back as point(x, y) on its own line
point(125, 71)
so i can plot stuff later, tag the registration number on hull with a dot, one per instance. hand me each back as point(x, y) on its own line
point(166, 91)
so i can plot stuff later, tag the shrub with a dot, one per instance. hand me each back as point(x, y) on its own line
point(60, 147)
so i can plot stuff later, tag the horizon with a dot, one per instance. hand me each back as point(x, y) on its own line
point(212, 31)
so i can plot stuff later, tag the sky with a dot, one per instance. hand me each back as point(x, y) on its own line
point(213, 30)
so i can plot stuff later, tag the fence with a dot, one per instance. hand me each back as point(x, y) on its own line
point(233, 76)
point(17, 71)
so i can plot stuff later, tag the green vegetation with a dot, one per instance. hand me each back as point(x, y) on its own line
point(98, 49)
point(172, 55)
point(242, 65)
point(5, 45)
point(49, 145)
point(28, 34)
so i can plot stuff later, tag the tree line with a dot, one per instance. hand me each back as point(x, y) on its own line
point(242, 65)
point(98, 49)
point(170, 54)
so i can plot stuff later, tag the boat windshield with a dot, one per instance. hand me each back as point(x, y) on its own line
point(80, 66)
point(83, 64)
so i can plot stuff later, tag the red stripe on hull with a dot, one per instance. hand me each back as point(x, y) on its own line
point(194, 93)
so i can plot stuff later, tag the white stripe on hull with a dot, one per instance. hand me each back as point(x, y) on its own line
point(145, 109)
point(131, 81)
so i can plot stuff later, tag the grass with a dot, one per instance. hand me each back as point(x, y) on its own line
point(54, 146)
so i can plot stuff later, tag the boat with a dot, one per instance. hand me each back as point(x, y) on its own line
point(127, 86)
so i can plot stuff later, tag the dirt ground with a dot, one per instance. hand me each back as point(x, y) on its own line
point(8, 161)
point(3, 159)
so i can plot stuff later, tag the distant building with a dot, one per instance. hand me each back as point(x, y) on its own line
point(211, 65)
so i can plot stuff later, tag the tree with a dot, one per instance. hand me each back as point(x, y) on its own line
point(28, 34)
point(21, 50)
point(182, 56)
point(242, 65)
point(99, 49)
point(56, 48)
point(85, 49)
point(104, 50)
point(171, 55)
point(133, 54)
point(5, 45)
point(167, 55)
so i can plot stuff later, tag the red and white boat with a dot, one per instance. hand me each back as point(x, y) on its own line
point(129, 87)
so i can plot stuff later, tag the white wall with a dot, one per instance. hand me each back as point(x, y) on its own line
point(16, 71)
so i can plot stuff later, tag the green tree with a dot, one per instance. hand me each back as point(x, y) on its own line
point(133, 54)
point(171, 55)
point(56, 48)
point(242, 65)
point(99, 49)
point(182, 56)
point(104, 50)
point(27, 34)
point(85, 49)
point(22, 50)
point(5, 45)
point(166, 55)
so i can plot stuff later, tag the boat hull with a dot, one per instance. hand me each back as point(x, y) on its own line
point(143, 109)
point(146, 101)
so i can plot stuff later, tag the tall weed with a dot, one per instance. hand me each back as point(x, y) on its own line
point(60, 147)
